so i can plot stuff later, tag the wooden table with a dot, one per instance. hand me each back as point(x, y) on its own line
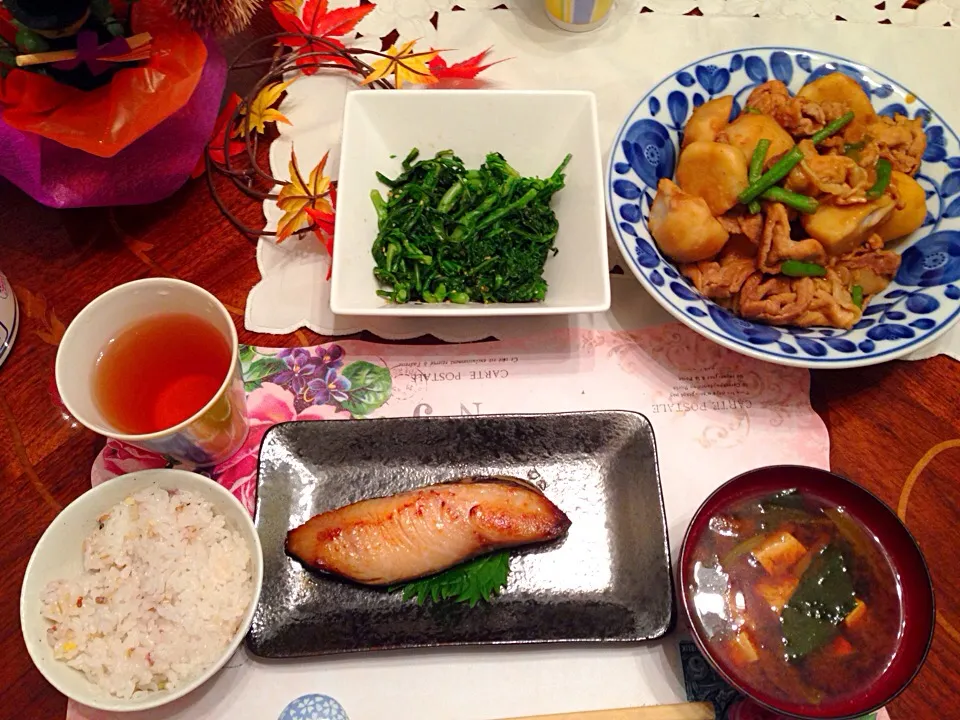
point(894, 428)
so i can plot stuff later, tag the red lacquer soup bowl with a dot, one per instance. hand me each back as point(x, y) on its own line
point(755, 557)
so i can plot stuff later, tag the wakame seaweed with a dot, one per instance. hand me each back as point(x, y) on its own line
point(824, 597)
point(446, 233)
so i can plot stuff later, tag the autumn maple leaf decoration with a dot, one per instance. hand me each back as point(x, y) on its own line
point(324, 225)
point(219, 152)
point(405, 65)
point(464, 70)
point(299, 195)
point(320, 22)
point(261, 110)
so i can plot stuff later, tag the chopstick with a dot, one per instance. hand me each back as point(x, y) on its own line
point(135, 41)
point(680, 711)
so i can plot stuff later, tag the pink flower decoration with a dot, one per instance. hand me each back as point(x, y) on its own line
point(120, 458)
point(266, 406)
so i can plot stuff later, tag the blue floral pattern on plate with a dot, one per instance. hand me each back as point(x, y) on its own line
point(921, 303)
point(314, 707)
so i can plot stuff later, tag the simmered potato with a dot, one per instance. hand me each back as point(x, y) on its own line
point(683, 225)
point(708, 119)
point(904, 221)
point(713, 171)
point(837, 87)
point(841, 228)
point(748, 129)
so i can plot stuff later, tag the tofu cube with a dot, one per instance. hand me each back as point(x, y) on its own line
point(841, 647)
point(775, 593)
point(856, 615)
point(780, 553)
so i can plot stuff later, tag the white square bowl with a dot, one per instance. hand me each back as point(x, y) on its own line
point(533, 130)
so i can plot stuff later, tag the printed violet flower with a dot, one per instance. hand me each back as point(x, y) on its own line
point(330, 356)
point(302, 367)
point(330, 386)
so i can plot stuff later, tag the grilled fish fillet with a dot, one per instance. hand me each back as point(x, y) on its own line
point(393, 539)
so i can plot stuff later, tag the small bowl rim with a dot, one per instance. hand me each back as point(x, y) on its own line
point(111, 703)
point(696, 631)
point(61, 361)
point(497, 309)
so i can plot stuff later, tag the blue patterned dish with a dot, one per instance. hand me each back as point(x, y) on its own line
point(920, 304)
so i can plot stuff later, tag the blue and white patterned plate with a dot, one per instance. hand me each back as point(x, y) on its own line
point(920, 304)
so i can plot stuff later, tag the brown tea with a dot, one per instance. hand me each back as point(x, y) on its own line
point(160, 371)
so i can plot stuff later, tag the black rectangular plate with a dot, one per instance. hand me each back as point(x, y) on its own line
point(609, 579)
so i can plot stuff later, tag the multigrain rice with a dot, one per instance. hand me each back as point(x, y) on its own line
point(165, 586)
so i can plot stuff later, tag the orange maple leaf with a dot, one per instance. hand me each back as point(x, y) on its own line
point(299, 194)
point(464, 70)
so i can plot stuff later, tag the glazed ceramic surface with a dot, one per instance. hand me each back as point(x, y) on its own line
point(920, 304)
point(59, 554)
point(533, 129)
point(607, 580)
point(907, 562)
point(211, 435)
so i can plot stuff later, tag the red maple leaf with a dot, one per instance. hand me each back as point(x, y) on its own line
point(465, 70)
point(219, 152)
point(319, 21)
point(324, 225)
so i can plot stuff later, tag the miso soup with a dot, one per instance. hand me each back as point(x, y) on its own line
point(795, 597)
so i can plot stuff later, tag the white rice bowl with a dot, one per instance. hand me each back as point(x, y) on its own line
point(141, 589)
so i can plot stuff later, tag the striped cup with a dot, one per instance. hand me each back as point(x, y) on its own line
point(578, 15)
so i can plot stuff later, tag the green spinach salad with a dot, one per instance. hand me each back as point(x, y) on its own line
point(451, 234)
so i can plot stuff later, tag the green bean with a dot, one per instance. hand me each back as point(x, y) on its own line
point(756, 170)
point(884, 171)
point(803, 203)
point(856, 293)
point(832, 128)
point(853, 147)
point(756, 161)
point(781, 168)
point(798, 268)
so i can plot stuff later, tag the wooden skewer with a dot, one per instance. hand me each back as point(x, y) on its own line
point(681, 711)
point(44, 58)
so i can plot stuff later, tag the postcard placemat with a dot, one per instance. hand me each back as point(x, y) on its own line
point(715, 414)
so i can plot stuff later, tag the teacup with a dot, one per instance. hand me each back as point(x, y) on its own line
point(209, 436)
